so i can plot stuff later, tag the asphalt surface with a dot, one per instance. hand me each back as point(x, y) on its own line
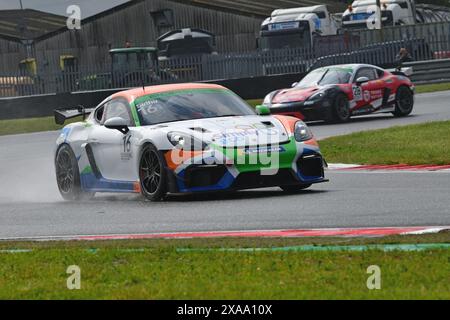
point(428, 107)
point(30, 205)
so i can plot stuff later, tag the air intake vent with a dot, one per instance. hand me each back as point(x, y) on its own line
point(198, 129)
point(268, 124)
point(311, 166)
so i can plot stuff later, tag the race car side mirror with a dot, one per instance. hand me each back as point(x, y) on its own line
point(262, 110)
point(294, 84)
point(362, 80)
point(117, 123)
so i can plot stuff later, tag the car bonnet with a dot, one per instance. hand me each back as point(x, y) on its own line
point(294, 94)
point(235, 131)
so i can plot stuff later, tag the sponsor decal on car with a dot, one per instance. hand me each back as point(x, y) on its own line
point(264, 150)
point(126, 155)
point(376, 94)
point(357, 93)
point(244, 135)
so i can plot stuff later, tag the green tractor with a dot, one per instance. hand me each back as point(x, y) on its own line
point(130, 67)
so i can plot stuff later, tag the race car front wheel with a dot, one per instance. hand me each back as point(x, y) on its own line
point(152, 174)
point(341, 109)
point(68, 176)
point(404, 102)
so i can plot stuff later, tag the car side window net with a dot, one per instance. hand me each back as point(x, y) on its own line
point(117, 108)
point(366, 72)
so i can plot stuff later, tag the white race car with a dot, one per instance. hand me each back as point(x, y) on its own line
point(182, 138)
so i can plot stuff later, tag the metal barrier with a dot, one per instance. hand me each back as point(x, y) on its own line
point(430, 71)
point(436, 35)
point(247, 88)
point(175, 70)
point(44, 105)
point(379, 47)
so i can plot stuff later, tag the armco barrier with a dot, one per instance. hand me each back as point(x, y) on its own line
point(43, 105)
point(430, 71)
point(247, 88)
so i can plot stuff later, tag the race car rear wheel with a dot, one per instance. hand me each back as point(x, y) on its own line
point(68, 176)
point(152, 174)
point(291, 189)
point(340, 110)
point(404, 102)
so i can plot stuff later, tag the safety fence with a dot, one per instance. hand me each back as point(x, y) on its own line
point(425, 42)
point(430, 71)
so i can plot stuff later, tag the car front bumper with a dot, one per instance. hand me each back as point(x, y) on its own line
point(320, 110)
point(307, 169)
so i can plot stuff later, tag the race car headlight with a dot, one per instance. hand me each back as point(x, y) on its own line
point(185, 141)
point(317, 96)
point(302, 132)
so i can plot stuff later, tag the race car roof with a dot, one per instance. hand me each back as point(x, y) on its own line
point(132, 94)
point(343, 66)
point(352, 66)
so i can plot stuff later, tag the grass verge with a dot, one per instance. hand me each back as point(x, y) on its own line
point(434, 87)
point(158, 270)
point(414, 145)
point(30, 125)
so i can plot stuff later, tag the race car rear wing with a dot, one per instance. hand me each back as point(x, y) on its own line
point(62, 115)
point(407, 71)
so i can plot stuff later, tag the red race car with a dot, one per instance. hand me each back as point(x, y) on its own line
point(336, 93)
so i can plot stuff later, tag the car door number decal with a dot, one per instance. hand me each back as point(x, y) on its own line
point(126, 143)
point(126, 154)
point(357, 93)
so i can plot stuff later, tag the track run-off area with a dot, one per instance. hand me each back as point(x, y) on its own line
point(31, 207)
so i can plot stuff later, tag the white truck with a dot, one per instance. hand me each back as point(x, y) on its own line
point(297, 27)
point(361, 14)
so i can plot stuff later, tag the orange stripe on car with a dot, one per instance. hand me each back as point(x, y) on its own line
point(132, 94)
point(287, 122)
point(137, 187)
point(177, 157)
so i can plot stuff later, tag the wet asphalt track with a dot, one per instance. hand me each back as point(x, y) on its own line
point(30, 205)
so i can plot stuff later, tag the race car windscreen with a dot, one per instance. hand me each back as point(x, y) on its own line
point(326, 76)
point(190, 105)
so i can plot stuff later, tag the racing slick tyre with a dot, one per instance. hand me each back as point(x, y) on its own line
point(340, 111)
point(404, 102)
point(152, 174)
point(68, 175)
point(291, 189)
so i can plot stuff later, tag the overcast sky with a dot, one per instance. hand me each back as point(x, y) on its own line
point(88, 7)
